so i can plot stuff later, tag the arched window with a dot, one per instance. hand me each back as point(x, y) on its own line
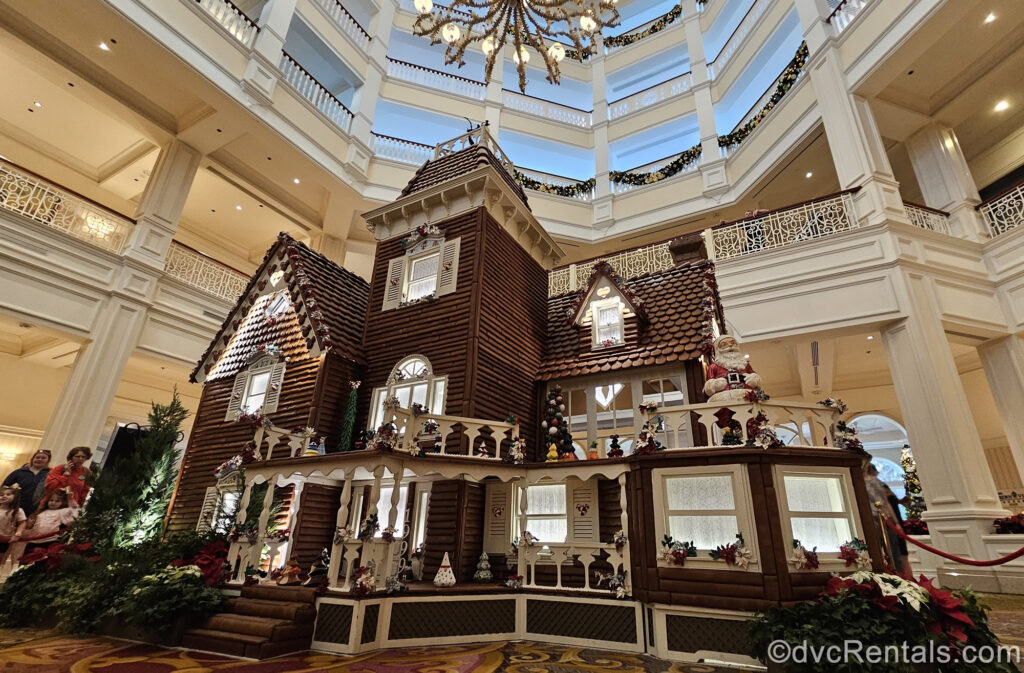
point(412, 381)
point(884, 439)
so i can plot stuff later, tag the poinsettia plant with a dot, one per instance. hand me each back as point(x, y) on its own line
point(1009, 525)
point(734, 554)
point(676, 552)
point(915, 526)
point(52, 556)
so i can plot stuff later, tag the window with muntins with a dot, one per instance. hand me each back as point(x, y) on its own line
point(412, 381)
point(257, 388)
point(607, 322)
point(546, 513)
point(817, 506)
point(429, 268)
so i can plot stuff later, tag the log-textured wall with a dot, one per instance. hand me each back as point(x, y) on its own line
point(314, 528)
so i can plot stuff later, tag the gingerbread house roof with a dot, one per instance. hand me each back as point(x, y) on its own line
point(678, 304)
point(604, 269)
point(450, 166)
point(329, 305)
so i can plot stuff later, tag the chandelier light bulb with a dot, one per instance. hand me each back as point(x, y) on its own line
point(487, 46)
point(522, 57)
point(423, 6)
point(450, 32)
point(556, 51)
point(587, 23)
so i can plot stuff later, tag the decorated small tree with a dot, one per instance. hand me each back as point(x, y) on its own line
point(483, 572)
point(348, 424)
point(444, 577)
point(555, 425)
point(915, 505)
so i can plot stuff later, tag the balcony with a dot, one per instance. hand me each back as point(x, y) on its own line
point(539, 107)
point(402, 151)
point(629, 264)
point(232, 19)
point(435, 79)
point(844, 14)
point(204, 273)
point(651, 96)
point(346, 22)
point(315, 93)
point(1005, 211)
point(737, 38)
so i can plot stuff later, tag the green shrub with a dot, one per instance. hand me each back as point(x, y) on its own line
point(156, 600)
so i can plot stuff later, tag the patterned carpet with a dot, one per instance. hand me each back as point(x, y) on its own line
point(25, 651)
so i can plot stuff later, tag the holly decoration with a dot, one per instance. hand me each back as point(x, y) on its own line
point(555, 425)
point(912, 482)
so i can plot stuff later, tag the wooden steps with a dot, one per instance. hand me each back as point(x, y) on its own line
point(266, 621)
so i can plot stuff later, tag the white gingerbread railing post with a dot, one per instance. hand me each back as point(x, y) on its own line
point(396, 493)
point(235, 551)
point(261, 527)
point(523, 504)
point(624, 520)
point(367, 548)
point(338, 549)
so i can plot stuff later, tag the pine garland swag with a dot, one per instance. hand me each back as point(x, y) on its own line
point(668, 170)
point(575, 189)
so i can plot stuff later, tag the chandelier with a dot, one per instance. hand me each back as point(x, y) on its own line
point(534, 23)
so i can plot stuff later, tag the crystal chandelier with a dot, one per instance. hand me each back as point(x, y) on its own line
point(534, 23)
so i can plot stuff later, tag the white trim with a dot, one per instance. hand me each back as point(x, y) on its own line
point(827, 560)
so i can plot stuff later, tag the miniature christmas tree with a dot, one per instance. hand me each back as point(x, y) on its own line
point(444, 577)
point(556, 425)
point(348, 424)
point(483, 572)
point(915, 506)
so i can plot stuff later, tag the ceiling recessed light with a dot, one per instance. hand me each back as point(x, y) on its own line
point(71, 83)
point(37, 104)
point(295, 180)
point(870, 337)
point(238, 207)
point(1002, 105)
point(213, 210)
point(809, 174)
point(746, 355)
point(990, 18)
point(104, 47)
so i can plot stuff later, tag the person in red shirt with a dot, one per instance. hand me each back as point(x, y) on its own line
point(74, 474)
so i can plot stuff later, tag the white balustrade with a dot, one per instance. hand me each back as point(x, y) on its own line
point(622, 187)
point(30, 195)
point(558, 181)
point(405, 151)
point(435, 79)
point(1005, 212)
point(844, 14)
point(469, 434)
point(346, 22)
point(735, 41)
point(314, 92)
point(667, 90)
point(231, 19)
point(573, 554)
point(927, 218)
point(204, 273)
point(629, 264)
point(546, 109)
point(779, 228)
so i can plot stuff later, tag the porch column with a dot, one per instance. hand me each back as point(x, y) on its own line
point(961, 495)
point(261, 527)
point(338, 550)
point(234, 552)
point(261, 72)
point(624, 520)
point(523, 505)
point(946, 181)
point(1003, 362)
point(712, 162)
point(367, 554)
point(396, 493)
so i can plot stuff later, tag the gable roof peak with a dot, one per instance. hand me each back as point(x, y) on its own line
point(604, 269)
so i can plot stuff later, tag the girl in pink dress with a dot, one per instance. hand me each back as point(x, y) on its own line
point(12, 520)
point(55, 513)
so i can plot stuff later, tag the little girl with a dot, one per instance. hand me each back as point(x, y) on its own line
point(12, 520)
point(54, 514)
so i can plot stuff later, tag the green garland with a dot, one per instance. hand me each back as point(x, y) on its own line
point(661, 24)
point(786, 81)
point(668, 170)
point(576, 189)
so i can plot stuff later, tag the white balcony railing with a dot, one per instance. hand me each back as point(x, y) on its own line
point(204, 273)
point(573, 554)
point(435, 79)
point(346, 22)
point(651, 96)
point(557, 180)
point(779, 228)
point(28, 194)
point(231, 19)
point(629, 264)
point(927, 218)
point(1005, 212)
point(316, 93)
point(405, 151)
point(738, 37)
point(546, 109)
point(844, 14)
point(622, 187)
point(453, 436)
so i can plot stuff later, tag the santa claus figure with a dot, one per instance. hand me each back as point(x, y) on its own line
point(730, 375)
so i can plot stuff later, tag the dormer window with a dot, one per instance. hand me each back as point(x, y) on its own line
point(256, 391)
point(278, 304)
point(422, 277)
point(428, 269)
point(607, 322)
point(257, 388)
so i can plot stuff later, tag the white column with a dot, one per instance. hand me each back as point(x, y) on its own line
point(602, 203)
point(161, 204)
point(261, 72)
point(958, 487)
point(857, 148)
point(495, 100)
point(712, 164)
point(337, 550)
point(945, 179)
point(1003, 362)
point(364, 101)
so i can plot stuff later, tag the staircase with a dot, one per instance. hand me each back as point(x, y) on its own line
point(266, 621)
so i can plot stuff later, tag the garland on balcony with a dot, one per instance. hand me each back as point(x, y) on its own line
point(786, 80)
point(659, 25)
point(575, 189)
point(668, 170)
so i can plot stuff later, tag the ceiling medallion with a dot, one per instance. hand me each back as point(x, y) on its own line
point(534, 23)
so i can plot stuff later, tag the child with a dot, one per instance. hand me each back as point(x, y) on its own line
point(54, 514)
point(12, 520)
point(74, 474)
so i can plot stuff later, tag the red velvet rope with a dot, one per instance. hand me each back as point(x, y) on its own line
point(966, 561)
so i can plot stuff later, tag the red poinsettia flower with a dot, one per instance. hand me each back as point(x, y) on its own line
point(950, 618)
point(53, 555)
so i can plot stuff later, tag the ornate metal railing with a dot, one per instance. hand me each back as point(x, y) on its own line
point(204, 273)
point(736, 40)
point(844, 14)
point(559, 181)
point(316, 93)
point(629, 264)
point(650, 96)
point(405, 151)
point(231, 19)
point(621, 187)
point(346, 22)
point(927, 218)
point(28, 194)
point(539, 107)
point(435, 79)
point(779, 228)
point(1004, 212)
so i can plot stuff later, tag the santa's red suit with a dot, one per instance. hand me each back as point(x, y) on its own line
point(716, 371)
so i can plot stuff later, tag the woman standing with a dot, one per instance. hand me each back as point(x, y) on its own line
point(31, 479)
point(73, 475)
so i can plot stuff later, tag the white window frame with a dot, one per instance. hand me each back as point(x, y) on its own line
point(399, 274)
point(261, 363)
point(411, 266)
point(521, 521)
point(743, 511)
point(828, 560)
point(278, 298)
point(437, 389)
point(596, 306)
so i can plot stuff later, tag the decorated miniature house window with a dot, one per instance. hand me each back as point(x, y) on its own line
point(412, 381)
point(545, 512)
point(428, 269)
point(278, 304)
point(220, 502)
point(607, 326)
point(555, 513)
point(816, 505)
point(257, 388)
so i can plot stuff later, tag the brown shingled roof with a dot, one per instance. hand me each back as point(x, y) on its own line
point(673, 332)
point(329, 303)
point(451, 166)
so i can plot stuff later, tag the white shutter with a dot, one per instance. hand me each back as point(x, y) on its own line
point(448, 274)
point(583, 514)
point(209, 507)
point(497, 518)
point(274, 388)
point(395, 279)
point(237, 393)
